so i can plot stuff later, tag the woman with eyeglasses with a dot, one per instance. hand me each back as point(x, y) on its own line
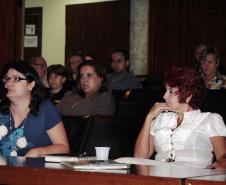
point(92, 94)
point(29, 123)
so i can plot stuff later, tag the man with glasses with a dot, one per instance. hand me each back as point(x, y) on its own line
point(40, 65)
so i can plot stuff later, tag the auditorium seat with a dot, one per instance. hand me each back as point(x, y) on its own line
point(128, 109)
point(138, 103)
point(118, 133)
point(75, 127)
point(146, 96)
point(215, 101)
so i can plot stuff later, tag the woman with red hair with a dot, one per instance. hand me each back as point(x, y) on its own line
point(177, 130)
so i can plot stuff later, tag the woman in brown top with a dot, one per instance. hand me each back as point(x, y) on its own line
point(92, 94)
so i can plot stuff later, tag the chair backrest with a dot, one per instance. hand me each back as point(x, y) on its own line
point(121, 94)
point(215, 101)
point(118, 133)
point(75, 127)
point(128, 109)
point(146, 96)
point(138, 103)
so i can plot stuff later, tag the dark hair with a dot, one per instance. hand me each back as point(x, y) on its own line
point(189, 82)
point(99, 71)
point(38, 93)
point(56, 69)
point(210, 50)
point(123, 52)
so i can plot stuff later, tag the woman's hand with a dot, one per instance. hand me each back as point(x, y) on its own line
point(221, 164)
point(156, 110)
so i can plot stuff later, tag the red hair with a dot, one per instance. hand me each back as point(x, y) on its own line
point(189, 83)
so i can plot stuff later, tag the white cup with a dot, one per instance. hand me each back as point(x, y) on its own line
point(102, 153)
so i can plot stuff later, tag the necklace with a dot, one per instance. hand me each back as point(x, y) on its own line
point(16, 136)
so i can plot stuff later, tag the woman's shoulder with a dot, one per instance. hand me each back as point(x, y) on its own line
point(212, 119)
point(70, 95)
point(212, 115)
point(106, 95)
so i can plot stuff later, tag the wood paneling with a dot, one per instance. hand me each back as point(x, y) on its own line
point(97, 27)
point(10, 30)
point(177, 26)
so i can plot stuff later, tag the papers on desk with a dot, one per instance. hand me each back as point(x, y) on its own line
point(141, 161)
point(96, 165)
point(58, 159)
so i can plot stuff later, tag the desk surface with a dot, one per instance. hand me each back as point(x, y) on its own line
point(19, 170)
point(207, 180)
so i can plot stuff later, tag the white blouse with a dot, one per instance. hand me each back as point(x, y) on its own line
point(189, 142)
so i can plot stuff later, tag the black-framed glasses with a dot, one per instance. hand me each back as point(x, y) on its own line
point(13, 79)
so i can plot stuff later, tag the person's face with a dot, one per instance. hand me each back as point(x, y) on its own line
point(89, 80)
point(210, 65)
point(118, 63)
point(17, 85)
point(56, 81)
point(171, 98)
point(40, 66)
point(74, 63)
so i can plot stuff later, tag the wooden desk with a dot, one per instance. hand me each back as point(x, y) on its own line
point(22, 171)
point(207, 180)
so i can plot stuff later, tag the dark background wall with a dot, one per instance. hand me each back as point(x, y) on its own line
point(10, 30)
point(177, 26)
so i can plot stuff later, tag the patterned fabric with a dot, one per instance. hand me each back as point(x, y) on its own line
point(218, 82)
point(124, 81)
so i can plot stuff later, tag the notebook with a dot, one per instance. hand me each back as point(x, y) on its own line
point(60, 158)
point(96, 165)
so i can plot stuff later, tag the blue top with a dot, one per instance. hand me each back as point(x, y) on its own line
point(33, 128)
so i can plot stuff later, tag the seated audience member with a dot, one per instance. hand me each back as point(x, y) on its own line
point(40, 66)
point(211, 75)
point(58, 86)
point(92, 96)
point(72, 65)
point(121, 79)
point(198, 56)
point(30, 125)
point(177, 130)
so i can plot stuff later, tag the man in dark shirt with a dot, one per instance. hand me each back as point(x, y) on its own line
point(121, 79)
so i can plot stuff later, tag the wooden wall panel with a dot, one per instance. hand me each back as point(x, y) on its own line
point(10, 30)
point(177, 26)
point(97, 27)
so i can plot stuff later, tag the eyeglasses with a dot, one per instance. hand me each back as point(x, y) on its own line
point(13, 79)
